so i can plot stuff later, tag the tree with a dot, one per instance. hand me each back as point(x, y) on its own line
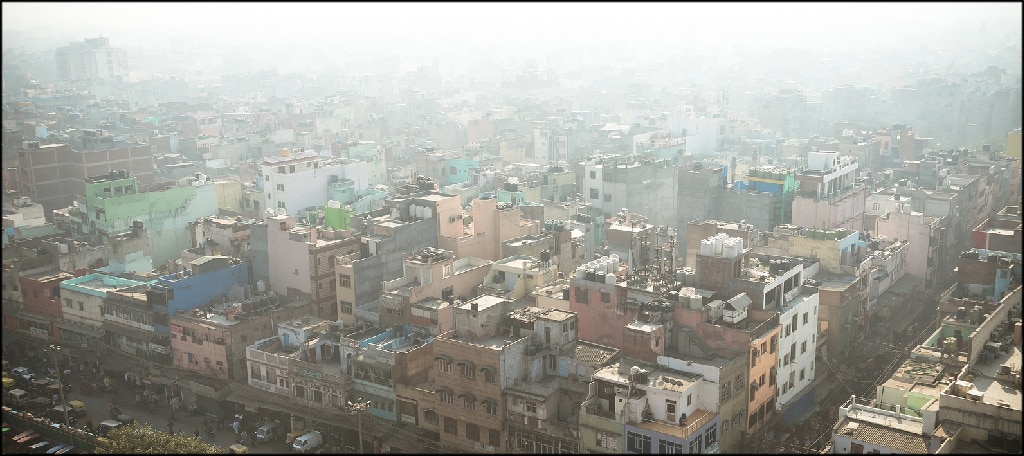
point(143, 439)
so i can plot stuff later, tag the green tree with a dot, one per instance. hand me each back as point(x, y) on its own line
point(143, 439)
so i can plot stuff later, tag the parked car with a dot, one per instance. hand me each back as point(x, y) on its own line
point(269, 431)
point(23, 373)
point(308, 442)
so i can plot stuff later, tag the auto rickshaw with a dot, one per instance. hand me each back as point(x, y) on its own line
point(77, 406)
point(291, 436)
point(238, 448)
point(8, 381)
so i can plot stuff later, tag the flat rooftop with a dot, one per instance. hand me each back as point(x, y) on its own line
point(999, 390)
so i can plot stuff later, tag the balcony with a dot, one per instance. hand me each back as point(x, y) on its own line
point(594, 409)
point(694, 422)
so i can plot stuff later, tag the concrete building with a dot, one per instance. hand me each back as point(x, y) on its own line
point(301, 180)
point(998, 234)
point(473, 365)
point(554, 245)
point(828, 196)
point(635, 407)
point(304, 260)
point(53, 174)
point(493, 223)
point(516, 277)
point(82, 299)
point(700, 192)
point(211, 339)
point(797, 347)
point(698, 230)
point(92, 58)
point(923, 234)
point(398, 355)
point(429, 274)
point(641, 184)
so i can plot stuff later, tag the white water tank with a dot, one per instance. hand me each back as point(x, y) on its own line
point(609, 279)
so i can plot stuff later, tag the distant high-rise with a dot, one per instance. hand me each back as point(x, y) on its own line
point(92, 58)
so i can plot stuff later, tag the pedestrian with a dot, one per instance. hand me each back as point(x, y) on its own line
point(196, 433)
point(170, 426)
point(235, 426)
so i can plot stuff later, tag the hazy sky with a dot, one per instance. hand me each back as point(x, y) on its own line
point(418, 26)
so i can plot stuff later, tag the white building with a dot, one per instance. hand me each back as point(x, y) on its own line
point(92, 58)
point(300, 180)
point(797, 339)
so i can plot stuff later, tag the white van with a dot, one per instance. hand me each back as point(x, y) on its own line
point(308, 442)
point(269, 431)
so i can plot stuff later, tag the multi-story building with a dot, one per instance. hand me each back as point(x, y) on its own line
point(211, 339)
point(493, 223)
point(700, 191)
point(219, 236)
point(798, 316)
point(923, 234)
point(53, 174)
point(304, 260)
point(82, 298)
point(112, 203)
point(828, 195)
point(429, 274)
point(636, 407)
point(642, 184)
point(473, 365)
point(698, 230)
point(301, 180)
point(516, 277)
point(92, 58)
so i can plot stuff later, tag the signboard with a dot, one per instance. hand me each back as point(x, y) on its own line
point(311, 373)
point(41, 333)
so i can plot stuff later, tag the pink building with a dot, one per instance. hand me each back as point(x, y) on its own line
point(828, 197)
point(492, 224)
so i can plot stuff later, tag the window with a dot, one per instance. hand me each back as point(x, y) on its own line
point(738, 384)
point(346, 307)
point(280, 204)
point(581, 295)
point(444, 365)
point(489, 375)
point(669, 447)
point(280, 187)
point(472, 432)
point(725, 425)
point(430, 416)
point(280, 169)
point(300, 391)
point(726, 391)
point(453, 170)
point(466, 370)
point(67, 302)
point(491, 407)
point(531, 407)
point(608, 440)
point(803, 347)
point(606, 297)
point(794, 322)
point(607, 197)
point(451, 426)
point(670, 406)
point(344, 280)
point(695, 444)
point(773, 345)
point(711, 435)
point(801, 375)
point(689, 399)
point(494, 438)
point(468, 403)
point(805, 318)
point(874, 206)
point(593, 174)
point(446, 397)
point(291, 169)
point(638, 443)
point(593, 194)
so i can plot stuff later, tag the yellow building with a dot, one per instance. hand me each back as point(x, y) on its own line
point(1013, 144)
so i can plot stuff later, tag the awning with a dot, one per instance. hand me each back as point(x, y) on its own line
point(489, 368)
point(469, 364)
point(33, 318)
point(79, 328)
point(444, 357)
point(132, 331)
point(468, 395)
point(443, 389)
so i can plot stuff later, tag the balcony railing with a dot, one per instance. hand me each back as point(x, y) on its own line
point(595, 409)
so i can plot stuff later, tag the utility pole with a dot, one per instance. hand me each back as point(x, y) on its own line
point(53, 349)
point(358, 408)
